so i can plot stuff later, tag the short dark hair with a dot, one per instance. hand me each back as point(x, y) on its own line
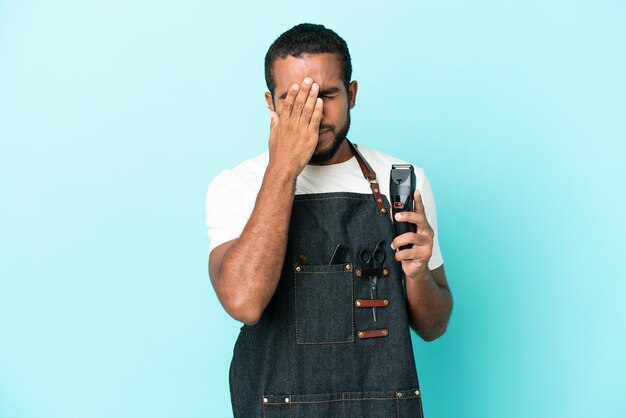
point(307, 38)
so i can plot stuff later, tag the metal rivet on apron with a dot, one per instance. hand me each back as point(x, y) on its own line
point(386, 302)
point(383, 211)
point(375, 190)
point(361, 334)
point(399, 394)
point(357, 303)
point(385, 332)
point(348, 267)
point(357, 272)
point(379, 200)
point(298, 268)
point(286, 400)
point(417, 392)
point(265, 400)
point(385, 272)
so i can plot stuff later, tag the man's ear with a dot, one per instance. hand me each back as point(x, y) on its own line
point(353, 87)
point(270, 102)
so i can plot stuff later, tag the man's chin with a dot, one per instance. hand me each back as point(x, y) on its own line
point(328, 143)
point(325, 150)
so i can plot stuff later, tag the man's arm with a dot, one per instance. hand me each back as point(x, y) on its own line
point(429, 301)
point(246, 271)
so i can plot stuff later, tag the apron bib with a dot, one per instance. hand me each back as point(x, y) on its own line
point(317, 351)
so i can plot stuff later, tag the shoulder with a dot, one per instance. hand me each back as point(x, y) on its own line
point(381, 163)
point(224, 220)
point(247, 174)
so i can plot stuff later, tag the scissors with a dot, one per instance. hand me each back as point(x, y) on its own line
point(373, 259)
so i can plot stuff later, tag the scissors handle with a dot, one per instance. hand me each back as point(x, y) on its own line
point(373, 259)
point(366, 257)
point(379, 254)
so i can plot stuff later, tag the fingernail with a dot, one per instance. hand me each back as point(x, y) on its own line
point(308, 80)
point(398, 216)
point(315, 86)
point(295, 87)
point(392, 247)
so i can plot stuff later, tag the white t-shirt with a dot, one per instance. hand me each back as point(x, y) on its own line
point(226, 222)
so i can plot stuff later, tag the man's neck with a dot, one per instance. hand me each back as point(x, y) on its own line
point(344, 153)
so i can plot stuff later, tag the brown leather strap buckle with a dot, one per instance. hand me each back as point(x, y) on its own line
point(370, 175)
point(373, 333)
point(371, 303)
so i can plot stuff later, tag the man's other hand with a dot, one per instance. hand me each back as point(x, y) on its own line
point(415, 259)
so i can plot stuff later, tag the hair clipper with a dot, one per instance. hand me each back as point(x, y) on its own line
point(401, 190)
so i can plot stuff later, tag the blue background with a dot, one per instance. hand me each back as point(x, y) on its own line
point(115, 116)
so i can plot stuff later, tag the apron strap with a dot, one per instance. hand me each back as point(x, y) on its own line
point(370, 176)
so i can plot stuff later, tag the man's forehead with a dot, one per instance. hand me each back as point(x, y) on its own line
point(324, 69)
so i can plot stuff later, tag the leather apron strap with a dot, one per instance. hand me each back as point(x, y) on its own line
point(370, 175)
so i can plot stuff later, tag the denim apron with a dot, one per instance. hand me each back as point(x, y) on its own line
point(317, 351)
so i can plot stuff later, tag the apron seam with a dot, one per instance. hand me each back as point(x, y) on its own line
point(397, 408)
point(234, 394)
point(335, 198)
point(343, 400)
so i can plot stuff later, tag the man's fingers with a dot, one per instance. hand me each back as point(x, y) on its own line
point(412, 238)
point(419, 204)
point(288, 103)
point(414, 254)
point(417, 215)
point(274, 119)
point(303, 94)
point(418, 218)
point(318, 113)
point(309, 106)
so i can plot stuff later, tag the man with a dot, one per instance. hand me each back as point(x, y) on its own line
point(307, 259)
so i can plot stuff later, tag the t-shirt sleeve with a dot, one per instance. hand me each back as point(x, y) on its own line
point(228, 206)
point(428, 198)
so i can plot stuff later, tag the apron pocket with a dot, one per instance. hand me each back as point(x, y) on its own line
point(323, 304)
point(400, 404)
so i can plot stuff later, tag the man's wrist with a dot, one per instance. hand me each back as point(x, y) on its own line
point(423, 274)
point(282, 176)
